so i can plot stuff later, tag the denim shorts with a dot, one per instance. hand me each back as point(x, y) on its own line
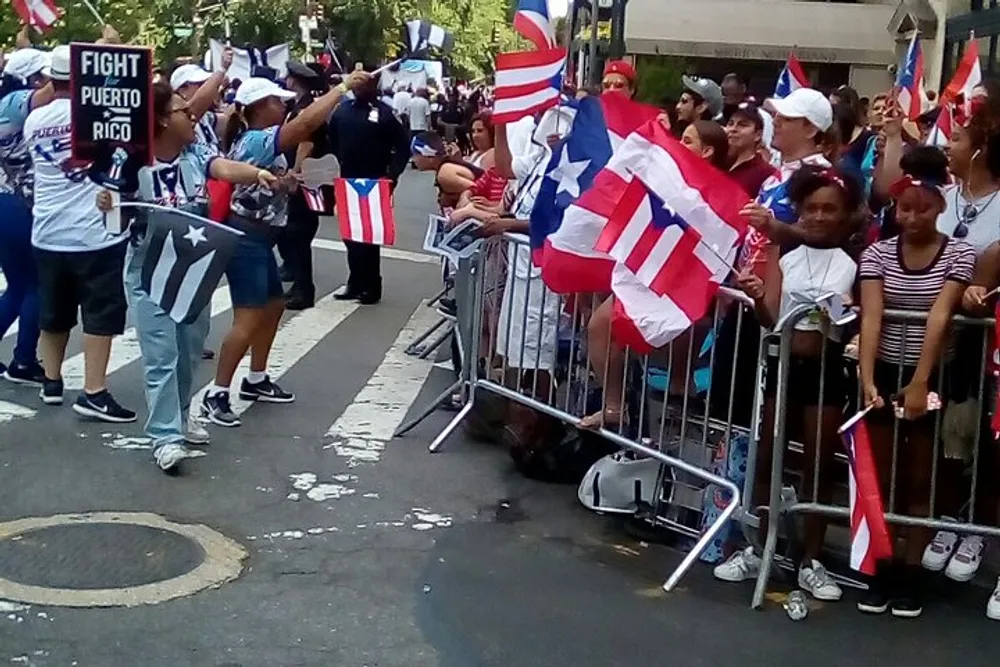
point(252, 273)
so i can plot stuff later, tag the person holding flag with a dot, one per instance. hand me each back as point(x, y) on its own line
point(171, 350)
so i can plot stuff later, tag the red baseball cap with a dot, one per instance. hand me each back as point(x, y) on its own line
point(620, 67)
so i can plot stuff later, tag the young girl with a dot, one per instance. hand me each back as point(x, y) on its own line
point(825, 201)
point(919, 270)
point(170, 351)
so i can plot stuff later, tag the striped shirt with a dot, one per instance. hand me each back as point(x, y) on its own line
point(914, 290)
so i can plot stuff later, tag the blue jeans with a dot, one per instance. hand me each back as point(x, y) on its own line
point(170, 353)
point(20, 299)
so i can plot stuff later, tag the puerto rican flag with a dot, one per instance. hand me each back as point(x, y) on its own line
point(968, 76)
point(364, 208)
point(526, 83)
point(674, 236)
point(792, 78)
point(910, 94)
point(532, 21)
point(315, 200)
point(39, 14)
point(584, 180)
point(870, 540)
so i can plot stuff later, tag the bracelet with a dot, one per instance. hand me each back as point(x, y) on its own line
point(342, 87)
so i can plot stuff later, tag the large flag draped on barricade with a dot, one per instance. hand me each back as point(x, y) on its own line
point(585, 178)
point(185, 262)
point(674, 234)
point(870, 542)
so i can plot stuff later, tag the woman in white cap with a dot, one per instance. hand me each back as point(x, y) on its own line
point(170, 351)
point(258, 134)
point(22, 89)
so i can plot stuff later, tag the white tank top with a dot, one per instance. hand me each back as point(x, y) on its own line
point(810, 273)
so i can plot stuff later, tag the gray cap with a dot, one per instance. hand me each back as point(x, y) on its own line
point(707, 90)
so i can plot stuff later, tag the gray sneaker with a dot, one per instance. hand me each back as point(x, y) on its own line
point(168, 456)
point(216, 409)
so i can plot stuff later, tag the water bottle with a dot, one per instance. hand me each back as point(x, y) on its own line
point(795, 606)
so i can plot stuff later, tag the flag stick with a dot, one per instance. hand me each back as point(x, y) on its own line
point(94, 12)
point(855, 419)
point(180, 212)
point(388, 65)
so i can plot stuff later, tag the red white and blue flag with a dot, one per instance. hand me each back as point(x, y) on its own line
point(364, 208)
point(582, 184)
point(870, 541)
point(792, 78)
point(39, 14)
point(526, 83)
point(910, 94)
point(674, 236)
point(532, 21)
point(957, 97)
point(315, 201)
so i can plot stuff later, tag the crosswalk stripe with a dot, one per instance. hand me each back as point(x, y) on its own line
point(11, 411)
point(362, 431)
point(294, 340)
point(125, 348)
point(387, 252)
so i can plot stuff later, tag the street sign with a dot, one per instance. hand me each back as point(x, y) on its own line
point(112, 103)
point(183, 31)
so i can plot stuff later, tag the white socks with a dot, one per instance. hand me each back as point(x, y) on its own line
point(256, 377)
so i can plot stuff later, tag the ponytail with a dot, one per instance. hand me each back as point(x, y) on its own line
point(235, 126)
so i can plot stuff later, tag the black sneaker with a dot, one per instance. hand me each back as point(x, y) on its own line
point(51, 392)
point(102, 406)
point(874, 601)
point(216, 409)
point(907, 601)
point(265, 391)
point(30, 374)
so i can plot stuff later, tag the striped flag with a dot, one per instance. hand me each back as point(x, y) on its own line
point(364, 208)
point(532, 21)
point(792, 78)
point(870, 540)
point(185, 262)
point(422, 36)
point(526, 83)
point(39, 14)
point(910, 94)
point(315, 201)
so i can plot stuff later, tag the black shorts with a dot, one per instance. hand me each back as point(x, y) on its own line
point(888, 382)
point(88, 281)
point(804, 378)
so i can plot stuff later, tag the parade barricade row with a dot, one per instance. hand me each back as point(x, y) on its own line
point(697, 408)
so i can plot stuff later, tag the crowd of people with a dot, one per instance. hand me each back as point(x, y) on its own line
point(845, 197)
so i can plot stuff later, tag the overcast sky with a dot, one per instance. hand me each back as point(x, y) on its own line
point(557, 8)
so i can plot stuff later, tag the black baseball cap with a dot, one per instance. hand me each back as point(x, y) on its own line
point(748, 109)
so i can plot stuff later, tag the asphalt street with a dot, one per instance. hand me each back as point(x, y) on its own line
point(365, 551)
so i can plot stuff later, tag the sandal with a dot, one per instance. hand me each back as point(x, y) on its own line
point(596, 421)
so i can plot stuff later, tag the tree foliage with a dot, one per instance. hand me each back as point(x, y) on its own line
point(367, 30)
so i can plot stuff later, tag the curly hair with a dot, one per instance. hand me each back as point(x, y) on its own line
point(809, 179)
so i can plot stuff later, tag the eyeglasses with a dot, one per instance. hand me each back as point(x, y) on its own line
point(968, 216)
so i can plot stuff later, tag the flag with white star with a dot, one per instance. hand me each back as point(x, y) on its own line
point(185, 260)
point(573, 202)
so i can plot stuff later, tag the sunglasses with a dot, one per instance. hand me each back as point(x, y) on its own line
point(968, 216)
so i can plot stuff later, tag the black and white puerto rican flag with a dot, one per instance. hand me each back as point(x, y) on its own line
point(184, 263)
point(422, 36)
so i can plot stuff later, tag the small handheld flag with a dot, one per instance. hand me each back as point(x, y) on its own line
point(870, 540)
point(364, 208)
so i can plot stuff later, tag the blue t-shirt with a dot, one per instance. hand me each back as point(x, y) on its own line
point(14, 158)
point(253, 202)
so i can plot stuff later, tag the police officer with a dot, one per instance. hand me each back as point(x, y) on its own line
point(295, 242)
point(369, 142)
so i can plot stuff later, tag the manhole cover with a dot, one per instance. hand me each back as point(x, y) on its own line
point(110, 559)
point(97, 555)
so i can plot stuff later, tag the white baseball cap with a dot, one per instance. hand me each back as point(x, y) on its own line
point(186, 74)
point(258, 88)
point(806, 103)
point(26, 63)
point(58, 69)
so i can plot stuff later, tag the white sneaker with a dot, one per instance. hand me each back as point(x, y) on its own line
point(967, 559)
point(741, 566)
point(815, 580)
point(168, 456)
point(993, 606)
point(939, 551)
point(196, 432)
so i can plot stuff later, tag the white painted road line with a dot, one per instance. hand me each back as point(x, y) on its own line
point(295, 339)
point(125, 348)
point(388, 253)
point(361, 433)
point(11, 411)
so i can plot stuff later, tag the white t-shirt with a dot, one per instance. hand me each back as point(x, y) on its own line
point(808, 274)
point(401, 103)
point(65, 209)
point(420, 114)
point(981, 230)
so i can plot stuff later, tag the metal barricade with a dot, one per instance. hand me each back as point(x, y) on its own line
point(783, 502)
point(529, 345)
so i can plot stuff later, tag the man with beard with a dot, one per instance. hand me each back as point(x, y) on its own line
point(370, 143)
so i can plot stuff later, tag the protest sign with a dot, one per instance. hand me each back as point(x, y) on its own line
point(112, 105)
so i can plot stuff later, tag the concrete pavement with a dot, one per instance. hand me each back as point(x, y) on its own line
point(366, 551)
